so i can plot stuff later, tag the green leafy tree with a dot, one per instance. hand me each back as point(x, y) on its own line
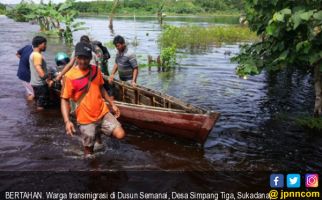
point(50, 17)
point(156, 6)
point(212, 5)
point(2, 9)
point(291, 39)
point(93, 7)
point(20, 12)
point(67, 15)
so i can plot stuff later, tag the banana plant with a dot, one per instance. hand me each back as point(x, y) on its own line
point(56, 19)
point(67, 17)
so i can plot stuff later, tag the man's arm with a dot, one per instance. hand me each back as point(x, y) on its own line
point(66, 68)
point(40, 71)
point(115, 68)
point(42, 74)
point(19, 52)
point(37, 63)
point(135, 75)
point(95, 58)
point(65, 110)
point(18, 55)
point(134, 65)
point(110, 101)
point(98, 57)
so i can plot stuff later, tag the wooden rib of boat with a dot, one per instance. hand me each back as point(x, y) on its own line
point(152, 110)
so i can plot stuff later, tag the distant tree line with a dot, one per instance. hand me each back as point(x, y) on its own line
point(153, 6)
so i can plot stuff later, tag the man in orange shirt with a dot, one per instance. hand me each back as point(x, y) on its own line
point(83, 84)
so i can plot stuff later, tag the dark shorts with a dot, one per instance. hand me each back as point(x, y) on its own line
point(41, 95)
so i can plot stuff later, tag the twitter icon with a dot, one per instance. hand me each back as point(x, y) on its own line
point(293, 180)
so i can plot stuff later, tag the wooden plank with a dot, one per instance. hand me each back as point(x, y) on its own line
point(136, 96)
point(148, 92)
point(123, 93)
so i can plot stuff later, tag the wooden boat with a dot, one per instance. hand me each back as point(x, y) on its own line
point(152, 110)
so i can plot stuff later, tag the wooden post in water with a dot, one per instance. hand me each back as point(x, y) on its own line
point(150, 61)
point(159, 63)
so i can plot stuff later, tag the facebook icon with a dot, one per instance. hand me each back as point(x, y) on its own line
point(277, 180)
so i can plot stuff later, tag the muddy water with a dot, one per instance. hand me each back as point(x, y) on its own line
point(250, 135)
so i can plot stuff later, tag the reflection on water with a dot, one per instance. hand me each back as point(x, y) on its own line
point(248, 136)
point(205, 20)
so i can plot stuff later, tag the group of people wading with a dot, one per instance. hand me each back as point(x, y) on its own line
point(84, 91)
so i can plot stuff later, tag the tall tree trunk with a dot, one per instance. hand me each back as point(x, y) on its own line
point(111, 22)
point(113, 13)
point(318, 90)
point(159, 13)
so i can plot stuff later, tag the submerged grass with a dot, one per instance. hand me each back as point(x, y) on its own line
point(196, 37)
point(311, 123)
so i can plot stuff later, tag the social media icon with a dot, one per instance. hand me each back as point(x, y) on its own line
point(277, 180)
point(311, 180)
point(293, 180)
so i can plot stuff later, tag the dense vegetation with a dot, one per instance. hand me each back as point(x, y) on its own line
point(201, 38)
point(310, 123)
point(2, 9)
point(219, 5)
point(20, 12)
point(291, 40)
point(53, 19)
point(167, 6)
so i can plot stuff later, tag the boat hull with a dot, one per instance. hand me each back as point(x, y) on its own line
point(176, 123)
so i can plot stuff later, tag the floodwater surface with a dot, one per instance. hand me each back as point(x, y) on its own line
point(252, 134)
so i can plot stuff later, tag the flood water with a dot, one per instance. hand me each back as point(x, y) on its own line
point(253, 133)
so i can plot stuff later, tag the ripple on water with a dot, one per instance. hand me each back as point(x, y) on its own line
point(246, 137)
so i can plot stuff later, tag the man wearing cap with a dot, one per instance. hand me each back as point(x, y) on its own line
point(83, 84)
point(72, 62)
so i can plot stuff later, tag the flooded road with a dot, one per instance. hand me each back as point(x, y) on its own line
point(253, 133)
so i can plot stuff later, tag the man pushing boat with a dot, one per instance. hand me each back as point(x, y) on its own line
point(83, 84)
point(125, 62)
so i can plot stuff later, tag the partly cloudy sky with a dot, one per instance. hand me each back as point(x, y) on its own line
point(36, 1)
